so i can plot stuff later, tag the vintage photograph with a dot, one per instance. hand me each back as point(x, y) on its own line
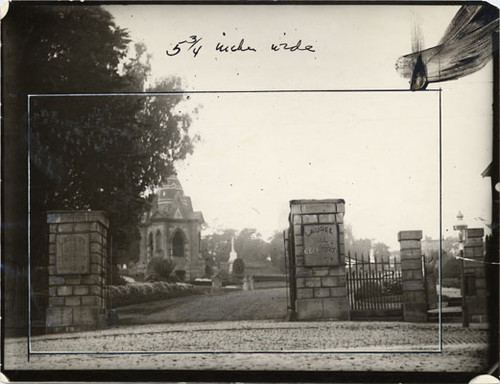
point(235, 187)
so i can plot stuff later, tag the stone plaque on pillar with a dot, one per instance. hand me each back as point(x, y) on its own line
point(73, 254)
point(321, 245)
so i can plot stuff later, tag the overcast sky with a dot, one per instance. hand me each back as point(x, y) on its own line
point(377, 150)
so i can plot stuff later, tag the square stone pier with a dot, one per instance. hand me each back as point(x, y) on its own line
point(318, 259)
point(78, 262)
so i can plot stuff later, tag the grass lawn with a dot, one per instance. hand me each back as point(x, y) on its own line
point(262, 304)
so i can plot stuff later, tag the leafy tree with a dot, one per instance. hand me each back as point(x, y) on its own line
point(161, 267)
point(93, 152)
point(381, 252)
point(99, 152)
point(78, 49)
point(357, 248)
point(250, 246)
point(451, 266)
point(217, 246)
point(276, 251)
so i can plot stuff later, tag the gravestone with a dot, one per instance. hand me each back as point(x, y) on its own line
point(216, 283)
point(316, 244)
point(77, 270)
point(245, 284)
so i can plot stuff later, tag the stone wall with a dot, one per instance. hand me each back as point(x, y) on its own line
point(317, 247)
point(78, 263)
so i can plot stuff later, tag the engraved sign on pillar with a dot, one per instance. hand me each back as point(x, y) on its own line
point(73, 254)
point(321, 245)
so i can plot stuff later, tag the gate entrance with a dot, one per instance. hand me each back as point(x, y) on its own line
point(374, 289)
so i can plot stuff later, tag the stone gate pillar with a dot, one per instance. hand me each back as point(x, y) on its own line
point(77, 270)
point(414, 298)
point(476, 294)
point(317, 246)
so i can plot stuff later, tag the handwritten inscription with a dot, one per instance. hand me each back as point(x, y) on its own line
point(191, 44)
point(292, 47)
point(194, 45)
point(240, 47)
point(320, 245)
point(72, 254)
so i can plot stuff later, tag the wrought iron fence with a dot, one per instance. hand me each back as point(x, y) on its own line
point(373, 285)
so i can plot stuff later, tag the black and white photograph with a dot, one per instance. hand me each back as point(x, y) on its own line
point(308, 190)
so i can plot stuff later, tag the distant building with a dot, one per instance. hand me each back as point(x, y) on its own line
point(172, 230)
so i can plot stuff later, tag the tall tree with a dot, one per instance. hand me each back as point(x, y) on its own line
point(250, 246)
point(92, 152)
point(98, 152)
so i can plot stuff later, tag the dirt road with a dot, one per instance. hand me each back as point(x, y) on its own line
point(265, 304)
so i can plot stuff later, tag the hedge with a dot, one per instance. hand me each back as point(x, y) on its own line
point(136, 293)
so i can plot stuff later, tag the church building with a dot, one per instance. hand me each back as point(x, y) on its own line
point(172, 230)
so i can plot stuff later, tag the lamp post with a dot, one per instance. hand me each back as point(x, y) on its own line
point(461, 227)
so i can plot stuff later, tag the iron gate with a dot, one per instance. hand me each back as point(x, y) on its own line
point(374, 289)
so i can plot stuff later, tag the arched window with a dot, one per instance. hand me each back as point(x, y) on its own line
point(158, 240)
point(150, 244)
point(178, 245)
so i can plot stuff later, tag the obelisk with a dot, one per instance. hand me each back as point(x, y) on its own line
point(232, 256)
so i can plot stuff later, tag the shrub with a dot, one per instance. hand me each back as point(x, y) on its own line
point(393, 287)
point(161, 267)
point(142, 292)
point(239, 267)
point(116, 278)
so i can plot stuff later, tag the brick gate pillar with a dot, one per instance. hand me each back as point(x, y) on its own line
point(476, 294)
point(414, 298)
point(77, 270)
point(317, 246)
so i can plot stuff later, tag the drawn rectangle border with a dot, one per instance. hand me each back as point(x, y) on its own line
point(57, 95)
